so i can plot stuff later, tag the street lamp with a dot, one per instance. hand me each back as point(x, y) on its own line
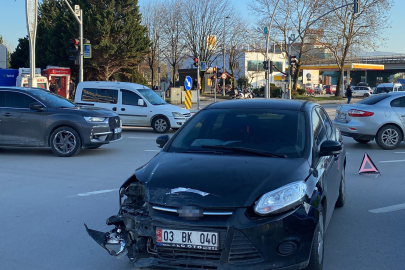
point(31, 9)
point(223, 80)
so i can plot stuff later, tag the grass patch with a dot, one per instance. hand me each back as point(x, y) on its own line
point(310, 98)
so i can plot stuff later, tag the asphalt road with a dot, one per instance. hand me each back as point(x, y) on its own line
point(45, 200)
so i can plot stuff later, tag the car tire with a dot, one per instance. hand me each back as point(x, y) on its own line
point(318, 244)
point(161, 124)
point(65, 142)
point(342, 191)
point(94, 147)
point(389, 137)
point(366, 95)
point(361, 141)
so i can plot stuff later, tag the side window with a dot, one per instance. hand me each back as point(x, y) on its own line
point(130, 98)
point(397, 102)
point(100, 95)
point(318, 128)
point(17, 100)
point(2, 98)
point(326, 121)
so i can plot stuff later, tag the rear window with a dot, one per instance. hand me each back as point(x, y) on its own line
point(373, 99)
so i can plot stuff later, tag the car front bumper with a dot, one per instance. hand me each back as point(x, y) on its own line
point(279, 242)
point(177, 122)
point(94, 134)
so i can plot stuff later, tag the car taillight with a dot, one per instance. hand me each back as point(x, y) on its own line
point(358, 113)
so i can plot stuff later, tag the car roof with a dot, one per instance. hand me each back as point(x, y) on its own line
point(387, 84)
point(279, 104)
point(107, 83)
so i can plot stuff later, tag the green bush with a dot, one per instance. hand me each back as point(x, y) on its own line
point(301, 91)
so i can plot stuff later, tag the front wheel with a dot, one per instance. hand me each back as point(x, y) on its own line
point(65, 142)
point(361, 141)
point(366, 95)
point(389, 137)
point(160, 124)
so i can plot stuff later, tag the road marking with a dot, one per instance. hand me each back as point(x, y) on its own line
point(387, 209)
point(93, 193)
point(152, 150)
point(399, 152)
point(392, 161)
point(145, 138)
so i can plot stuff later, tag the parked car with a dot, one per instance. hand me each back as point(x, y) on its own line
point(388, 87)
point(330, 89)
point(38, 118)
point(319, 91)
point(136, 104)
point(380, 117)
point(242, 185)
point(361, 91)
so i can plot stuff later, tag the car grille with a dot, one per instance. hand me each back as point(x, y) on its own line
point(114, 122)
point(242, 251)
point(187, 115)
point(188, 254)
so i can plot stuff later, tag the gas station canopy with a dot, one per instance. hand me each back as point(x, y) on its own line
point(352, 66)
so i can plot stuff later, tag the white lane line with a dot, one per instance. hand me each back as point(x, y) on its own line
point(399, 152)
point(152, 150)
point(387, 209)
point(93, 193)
point(145, 138)
point(392, 161)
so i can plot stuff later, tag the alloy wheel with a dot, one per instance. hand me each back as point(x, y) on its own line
point(390, 137)
point(64, 142)
point(160, 125)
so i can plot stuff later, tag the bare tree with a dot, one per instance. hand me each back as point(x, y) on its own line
point(153, 19)
point(173, 43)
point(345, 30)
point(292, 17)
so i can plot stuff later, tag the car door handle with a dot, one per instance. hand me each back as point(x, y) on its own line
point(114, 109)
point(7, 114)
point(122, 109)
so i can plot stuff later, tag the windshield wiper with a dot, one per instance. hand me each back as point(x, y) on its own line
point(244, 150)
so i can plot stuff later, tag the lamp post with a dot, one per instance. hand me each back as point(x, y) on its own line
point(223, 80)
point(31, 9)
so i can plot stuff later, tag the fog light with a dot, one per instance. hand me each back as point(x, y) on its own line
point(287, 248)
point(179, 123)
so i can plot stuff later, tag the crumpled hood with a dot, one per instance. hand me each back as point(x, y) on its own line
point(223, 180)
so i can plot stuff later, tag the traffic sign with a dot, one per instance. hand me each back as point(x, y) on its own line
point(266, 30)
point(203, 66)
point(188, 83)
point(87, 50)
point(223, 76)
point(187, 102)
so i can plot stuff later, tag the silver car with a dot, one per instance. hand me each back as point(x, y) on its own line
point(380, 117)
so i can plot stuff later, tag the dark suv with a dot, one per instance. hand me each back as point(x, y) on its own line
point(35, 117)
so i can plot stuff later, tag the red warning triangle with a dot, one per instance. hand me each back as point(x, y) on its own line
point(368, 166)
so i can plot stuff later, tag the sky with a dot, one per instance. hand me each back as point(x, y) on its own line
point(13, 23)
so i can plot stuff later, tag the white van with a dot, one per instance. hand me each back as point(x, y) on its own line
point(388, 87)
point(136, 104)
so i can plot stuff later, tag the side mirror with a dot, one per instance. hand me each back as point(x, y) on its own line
point(330, 148)
point(141, 102)
point(36, 106)
point(162, 140)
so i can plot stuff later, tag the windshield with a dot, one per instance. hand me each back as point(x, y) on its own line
point(51, 100)
point(151, 96)
point(384, 89)
point(274, 131)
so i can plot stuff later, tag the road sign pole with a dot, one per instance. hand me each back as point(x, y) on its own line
point(215, 88)
point(81, 46)
point(198, 83)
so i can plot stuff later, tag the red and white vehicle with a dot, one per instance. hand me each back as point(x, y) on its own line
point(24, 75)
point(61, 77)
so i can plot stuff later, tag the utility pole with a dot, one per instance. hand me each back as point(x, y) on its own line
point(198, 83)
point(78, 14)
point(31, 9)
point(158, 50)
point(223, 80)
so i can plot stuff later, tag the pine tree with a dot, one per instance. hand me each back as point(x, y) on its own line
point(20, 57)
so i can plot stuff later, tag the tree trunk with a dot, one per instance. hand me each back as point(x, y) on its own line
point(339, 82)
point(107, 78)
point(295, 78)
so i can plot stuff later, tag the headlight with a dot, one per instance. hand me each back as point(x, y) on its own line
point(177, 114)
point(95, 119)
point(281, 199)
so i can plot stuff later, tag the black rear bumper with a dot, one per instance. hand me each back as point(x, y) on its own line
point(358, 136)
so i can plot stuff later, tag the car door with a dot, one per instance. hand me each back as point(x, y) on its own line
point(398, 105)
point(130, 112)
point(327, 167)
point(19, 124)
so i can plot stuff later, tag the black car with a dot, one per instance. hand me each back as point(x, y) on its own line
point(36, 117)
point(248, 184)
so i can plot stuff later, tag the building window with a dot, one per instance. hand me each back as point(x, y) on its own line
point(254, 65)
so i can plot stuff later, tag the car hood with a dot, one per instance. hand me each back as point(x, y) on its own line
point(91, 111)
point(179, 179)
point(168, 109)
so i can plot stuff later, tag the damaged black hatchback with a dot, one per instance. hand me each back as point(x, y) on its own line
point(254, 187)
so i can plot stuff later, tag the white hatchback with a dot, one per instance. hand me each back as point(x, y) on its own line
point(361, 91)
point(136, 104)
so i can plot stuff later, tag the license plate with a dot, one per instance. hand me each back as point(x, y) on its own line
point(187, 239)
point(117, 130)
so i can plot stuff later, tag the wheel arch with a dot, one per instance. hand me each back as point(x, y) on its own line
point(63, 124)
point(157, 115)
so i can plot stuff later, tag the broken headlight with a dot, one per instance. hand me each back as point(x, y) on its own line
point(282, 199)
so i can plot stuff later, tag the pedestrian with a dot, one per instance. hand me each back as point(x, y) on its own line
point(349, 93)
point(72, 89)
point(52, 87)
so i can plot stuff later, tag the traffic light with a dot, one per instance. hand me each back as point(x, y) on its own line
point(265, 65)
point(195, 62)
point(74, 47)
point(271, 67)
point(356, 6)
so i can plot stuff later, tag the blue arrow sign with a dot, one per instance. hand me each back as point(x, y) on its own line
point(265, 30)
point(188, 83)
